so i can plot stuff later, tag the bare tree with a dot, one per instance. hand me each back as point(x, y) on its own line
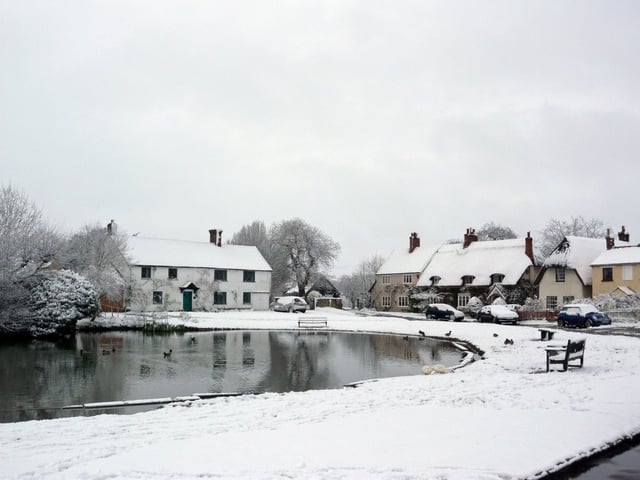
point(495, 231)
point(253, 234)
point(355, 286)
point(556, 230)
point(303, 249)
point(99, 255)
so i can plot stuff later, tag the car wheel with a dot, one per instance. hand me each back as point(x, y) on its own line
point(587, 323)
point(452, 318)
point(496, 320)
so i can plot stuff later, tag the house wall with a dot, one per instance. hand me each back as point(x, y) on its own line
point(395, 289)
point(571, 287)
point(141, 295)
point(602, 288)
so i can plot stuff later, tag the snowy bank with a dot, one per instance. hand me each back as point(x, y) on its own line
point(500, 417)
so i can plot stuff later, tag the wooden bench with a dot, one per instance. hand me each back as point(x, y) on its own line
point(565, 354)
point(546, 334)
point(309, 321)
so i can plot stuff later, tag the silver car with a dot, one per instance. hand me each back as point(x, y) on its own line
point(290, 304)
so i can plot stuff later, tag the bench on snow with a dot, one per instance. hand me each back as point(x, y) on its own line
point(546, 334)
point(309, 321)
point(565, 354)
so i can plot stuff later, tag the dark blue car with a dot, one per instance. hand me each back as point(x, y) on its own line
point(582, 315)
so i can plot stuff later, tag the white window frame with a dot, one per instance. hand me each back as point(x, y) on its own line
point(561, 274)
point(463, 299)
point(403, 301)
point(157, 297)
point(386, 301)
point(407, 278)
point(627, 272)
point(386, 279)
point(552, 302)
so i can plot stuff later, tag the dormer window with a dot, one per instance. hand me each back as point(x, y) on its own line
point(497, 278)
point(467, 279)
point(435, 280)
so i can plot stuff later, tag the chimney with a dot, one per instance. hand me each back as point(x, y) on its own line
point(220, 238)
point(213, 236)
point(112, 229)
point(623, 236)
point(609, 239)
point(470, 237)
point(528, 246)
point(414, 242)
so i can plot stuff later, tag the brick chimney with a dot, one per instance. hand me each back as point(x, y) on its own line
point(414, 242)
point(609, 239)
point(623, 236)
point(528, 246)
point(470, 237)
point(213, 236)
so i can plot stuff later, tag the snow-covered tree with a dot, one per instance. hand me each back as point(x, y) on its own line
point(556, 230)
point(494, 231)
point(355, 286)
point(304, 250)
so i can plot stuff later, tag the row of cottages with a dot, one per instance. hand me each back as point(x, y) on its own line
point(581, 267)
point(178, 275)
point(453, 273)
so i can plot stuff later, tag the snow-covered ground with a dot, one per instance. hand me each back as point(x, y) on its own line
point(502, 417)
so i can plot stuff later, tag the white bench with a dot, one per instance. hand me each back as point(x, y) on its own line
point(309, 321)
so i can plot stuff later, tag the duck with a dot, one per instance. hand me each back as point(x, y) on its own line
point(495, 334)
point(448, 334)
point(167, 354)
point(406, 337)
point(508, 341)
point(422, 334)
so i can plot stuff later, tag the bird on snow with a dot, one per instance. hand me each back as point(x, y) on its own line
point(495, 334)
point(508, 341)
point(448, 334)
point(167, 354)
point(422, 334)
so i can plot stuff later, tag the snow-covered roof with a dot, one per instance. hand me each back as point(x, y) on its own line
point(618, 256)
point(182, 253)
point(480, 260)
point(401, 261)
point(577, 253)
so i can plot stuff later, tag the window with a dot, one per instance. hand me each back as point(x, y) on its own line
point(157, 297)
point(568, 300)
point(386, 302)
point(467, 279)
point(220, 298)
point(249, 276)
point(552, 302)
point(408, 278)
point(560, 273)
point(403, 301)
point(463, 299)
point(146, 272)
point(497, 278)
point(220, 275)
point(607, 274)
point(386, 279)
point(627, 272)
point(246, 298)
point(173, 273)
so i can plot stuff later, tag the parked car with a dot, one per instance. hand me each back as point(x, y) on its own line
point(582, 315)
point(289, 304)
point(441, 311)
point(497, 314)
point(514, 306)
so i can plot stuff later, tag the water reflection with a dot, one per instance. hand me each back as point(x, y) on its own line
point(38, 378)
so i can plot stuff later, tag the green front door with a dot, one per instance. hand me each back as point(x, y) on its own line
point(187, 300)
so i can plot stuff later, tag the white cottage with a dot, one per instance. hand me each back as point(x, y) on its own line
point(183, 275)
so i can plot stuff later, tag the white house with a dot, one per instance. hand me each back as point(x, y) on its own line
point(185, 275)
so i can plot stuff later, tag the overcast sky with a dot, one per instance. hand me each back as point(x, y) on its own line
point(367, 119)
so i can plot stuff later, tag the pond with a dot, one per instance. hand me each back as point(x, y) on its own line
point(38, 378)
